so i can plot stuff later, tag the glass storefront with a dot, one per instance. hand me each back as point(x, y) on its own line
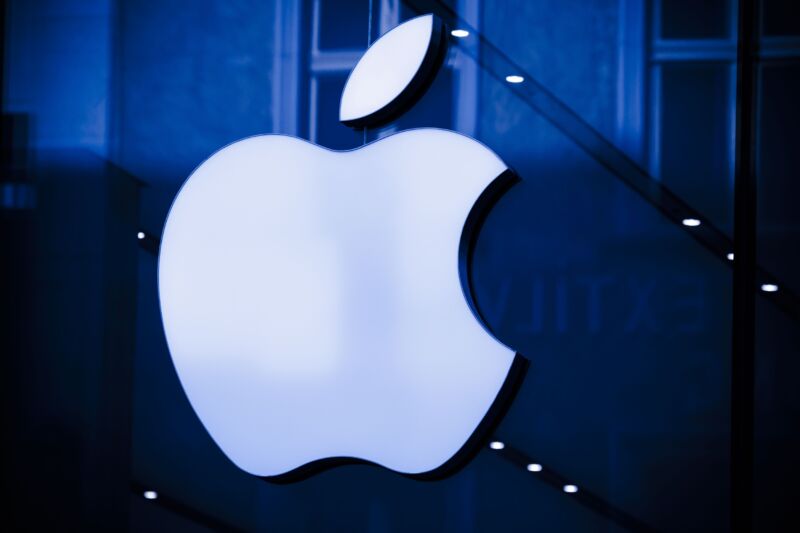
point(609, 266)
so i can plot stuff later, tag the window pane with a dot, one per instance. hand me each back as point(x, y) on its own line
point(690, 19)
point(343, 23)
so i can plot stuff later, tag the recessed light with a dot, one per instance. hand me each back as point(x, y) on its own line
point(570, 488)
point(459, 33)
point(150, 495)
point(730, 256)
point(496, 445)
point(140, 235)
point(769, 287)
point(691, 222)
point(514, 79)
point(534, 467)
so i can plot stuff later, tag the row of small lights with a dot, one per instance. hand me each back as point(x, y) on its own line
point(495, 445)
point(512, 78)
point(533, 467)
point(694, 222)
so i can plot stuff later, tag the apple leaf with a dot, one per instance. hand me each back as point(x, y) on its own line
point(393, 73)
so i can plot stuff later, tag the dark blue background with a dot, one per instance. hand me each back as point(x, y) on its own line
point(625, 318)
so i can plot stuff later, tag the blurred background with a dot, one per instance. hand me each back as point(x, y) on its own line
point(624, 129)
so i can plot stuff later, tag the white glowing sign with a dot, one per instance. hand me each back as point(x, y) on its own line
point(313, 304)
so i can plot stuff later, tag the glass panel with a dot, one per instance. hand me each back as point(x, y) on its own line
point(623, 313)
point(626, 321)
point(689, 19)
point(777, 334)
point(567, 52)
point(343, 23)
point(435, 108)
point(696, 154)
point(776, 412)
point(779, 165)
point(780, 17)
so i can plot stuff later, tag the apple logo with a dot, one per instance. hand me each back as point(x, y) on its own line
point(317, 304)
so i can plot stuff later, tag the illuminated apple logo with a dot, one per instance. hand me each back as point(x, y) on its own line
point(316, 303)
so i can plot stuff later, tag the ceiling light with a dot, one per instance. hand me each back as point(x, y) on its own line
point(769, 287)
point(515, 79)
point(572, 489)
point(691, 222)
point(496, 445)
point(730, 256)
point(534, 467)
point(140, 235)
point(150, 495)
point(459, 33)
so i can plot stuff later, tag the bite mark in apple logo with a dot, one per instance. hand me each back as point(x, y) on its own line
point(318, 305)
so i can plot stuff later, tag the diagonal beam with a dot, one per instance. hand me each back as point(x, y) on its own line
point(181, 508)
point(496, 63)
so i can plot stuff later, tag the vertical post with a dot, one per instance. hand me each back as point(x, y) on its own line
point(744, 273)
